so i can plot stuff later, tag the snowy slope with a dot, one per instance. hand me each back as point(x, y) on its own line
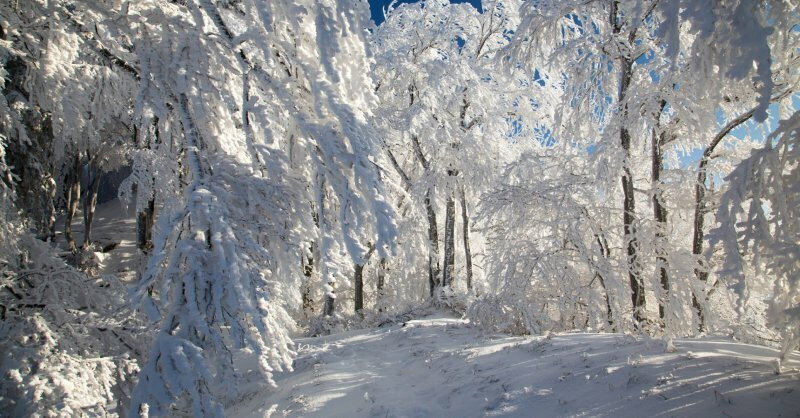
point(441, 366)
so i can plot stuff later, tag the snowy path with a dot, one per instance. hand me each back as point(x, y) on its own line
point(113, 223)
point(440, 366)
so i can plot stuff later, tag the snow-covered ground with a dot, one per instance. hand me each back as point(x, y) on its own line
point(113, 223)
point(441, 366)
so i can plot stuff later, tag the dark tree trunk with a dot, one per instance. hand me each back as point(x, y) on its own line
point(144, 226)
point(358, 281)
point(330, 303)
point(49, 222)
point(380, 284)
point(90, 204)
point(629, 226)
point(629, 202)
point(433, 228)
point(434, 272)
point(449, 241)
point(605, 251)
point(701, 272)
point(700, 210)
point(433, 245)
point(660, 217)
point(467, 252)
point(73, 198)
point(308, 272)
point(329, 290)
point(146, 218)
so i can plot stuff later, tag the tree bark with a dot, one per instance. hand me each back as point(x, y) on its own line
point(629, 216)
point(358, 278)
point(467, 252)
point(380, 284)
point(329, 289)
point(90, 204)
point(660, 217)
point(434, 271)
point(605, 251)
point(433, 228)
point(700, 210)
point(146, 218)
point(433, 245)
point(358, 281)
point(330, 303)
point(629, 202)
point(73, 197)
point(144, 226)
point(49, 221)
point(449, 241)
point(307, 262)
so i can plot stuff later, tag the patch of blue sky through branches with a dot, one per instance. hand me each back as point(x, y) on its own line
point(377, 7)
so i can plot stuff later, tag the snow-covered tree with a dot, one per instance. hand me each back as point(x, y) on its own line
point(247, 88)
point(758, 215)
point(651, 75)
point(445, 114)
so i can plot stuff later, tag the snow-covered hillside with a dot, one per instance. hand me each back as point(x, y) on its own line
point(441, 366)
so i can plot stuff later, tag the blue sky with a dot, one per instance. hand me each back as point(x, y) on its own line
point(376, 6)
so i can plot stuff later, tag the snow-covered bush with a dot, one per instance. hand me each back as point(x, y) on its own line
point(494, 313)
point(68, 344)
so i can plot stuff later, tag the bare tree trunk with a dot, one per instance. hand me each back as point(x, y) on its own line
point(308, 272)
point(629, 227)
point(449, 241)
point(144, 226)
point(605, 251)
point(381, 283)
point(90, 204)
point(146, 218)
point(434, 272)
point(433, 228)
point(329, 289)
point(700, 271)
point(433, 245)
point(50, 211)
point(73, 197)
point(629, 202)
point(358, 281)
point(660, 217)
point(329, 304)
point(467, 252)
point(700, 210)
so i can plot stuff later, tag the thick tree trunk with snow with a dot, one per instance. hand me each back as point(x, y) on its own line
point(467, 252)
point(73, 198)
